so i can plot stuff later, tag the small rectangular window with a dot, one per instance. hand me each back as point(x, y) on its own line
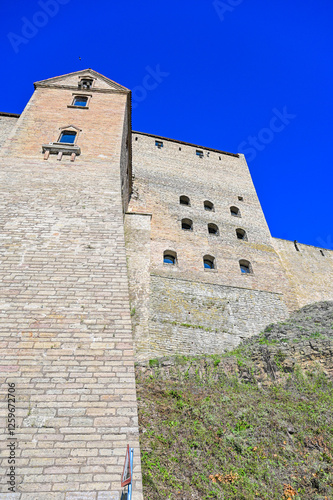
point(68, 137)
point(199, 153)
point(159, 144)
point(80, 100)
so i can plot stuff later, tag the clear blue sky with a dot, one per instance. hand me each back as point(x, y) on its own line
point(225, 70)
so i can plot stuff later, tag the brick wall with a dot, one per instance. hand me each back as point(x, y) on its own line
point(65, 326)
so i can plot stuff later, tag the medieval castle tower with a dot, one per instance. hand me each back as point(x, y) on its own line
point(119, 245)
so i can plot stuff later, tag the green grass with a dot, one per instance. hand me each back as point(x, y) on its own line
point(214, 437)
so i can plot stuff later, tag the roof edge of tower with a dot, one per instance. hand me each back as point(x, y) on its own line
point(236, 155)
point(80, 72)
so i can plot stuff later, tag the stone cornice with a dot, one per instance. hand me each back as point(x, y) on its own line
point(75, 88)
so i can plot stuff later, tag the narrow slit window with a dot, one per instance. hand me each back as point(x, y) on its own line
point(67, 136)
point(80, 100)
point(296, 246)
point(322, 253)
point(187, 224)
point(209, 262)
point(213, 229)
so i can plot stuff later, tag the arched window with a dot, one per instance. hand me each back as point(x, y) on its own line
point(169, 257)
point(213, 229)
point(241, 234)
point(235, 211)
point(208, 205)
point(209, 262)
point(187, 224)
point(245, 267)
point(184, 200)
point(67, 136)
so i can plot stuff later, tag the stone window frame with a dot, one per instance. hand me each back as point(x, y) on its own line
point(214, 227)
point(209, 206)
point(170, 253)
point(77, 94)
point(213, 260)
point(63, 148)
point(246, 263)
point(234, 209)
point(70, 128)
point(86, 77)
point(188, 222)
point(240, 230)
point(184, 200)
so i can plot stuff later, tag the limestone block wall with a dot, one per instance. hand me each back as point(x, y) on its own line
point(65, 325)
point(160, 177)
point(309, 270)
point(204, 318)
point(7, 123)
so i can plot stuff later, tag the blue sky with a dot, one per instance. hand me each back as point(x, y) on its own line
point(223, 71)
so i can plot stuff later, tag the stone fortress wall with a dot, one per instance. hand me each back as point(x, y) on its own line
point(83, 279)
point(7, 123)
point(186, 308)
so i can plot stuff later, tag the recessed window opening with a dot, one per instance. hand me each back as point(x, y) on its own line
point(209, 262)
point(187, 224)
point(296, 246)
point(184, 200)
point(235, 212)
point(241, 234)
point(322, 253)
point(80, 100)
point(136, 138)
point(159, 144)
point(199, 153)
point(240, 198)
point(85, 83)
point(245, 267)
point(169, 257)
point(208, 205)
point(67, 136)
point(213, 229)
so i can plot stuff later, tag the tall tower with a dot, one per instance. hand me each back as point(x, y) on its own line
point(65, 326)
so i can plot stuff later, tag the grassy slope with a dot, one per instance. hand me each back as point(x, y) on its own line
point(208, 434)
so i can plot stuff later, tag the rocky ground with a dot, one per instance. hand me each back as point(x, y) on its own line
point(255, 423)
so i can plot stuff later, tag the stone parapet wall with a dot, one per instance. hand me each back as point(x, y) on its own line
point(7, 123)
point(309, 270)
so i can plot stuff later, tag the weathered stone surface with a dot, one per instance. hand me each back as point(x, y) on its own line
point(65, 326)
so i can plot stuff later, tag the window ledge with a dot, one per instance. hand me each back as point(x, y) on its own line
point(210, 270)
point(61, 147)
point(77, 107)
